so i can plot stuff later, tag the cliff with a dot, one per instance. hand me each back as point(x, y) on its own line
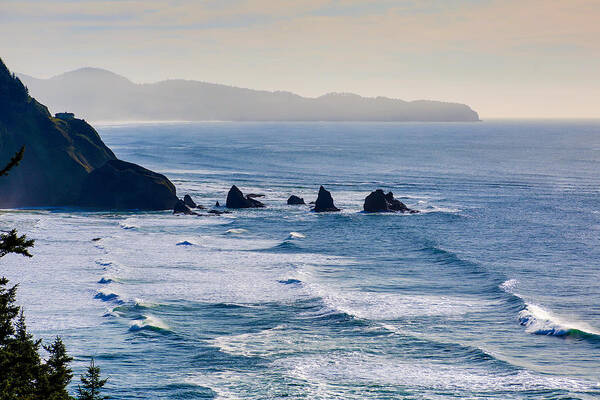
point(61, 157)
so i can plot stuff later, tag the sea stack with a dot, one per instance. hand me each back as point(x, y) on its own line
point(182, 208)
point(295, 200)
point(236, 199)
point(187, 199)
point(324, 202)
point(378, 201)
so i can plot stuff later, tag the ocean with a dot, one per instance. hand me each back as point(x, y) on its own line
point(490, 292)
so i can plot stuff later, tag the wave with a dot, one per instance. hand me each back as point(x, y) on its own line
point(150, 323)
point(185, 243)
point(296, 235)
point(236, 231)
point(290, 282)
point(129, 224)
point(107, 295)
point(105, 280)
point(540, 321)
point(436, 209)
point(287, 246)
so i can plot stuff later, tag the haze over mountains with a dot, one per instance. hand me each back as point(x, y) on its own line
point(101, 95)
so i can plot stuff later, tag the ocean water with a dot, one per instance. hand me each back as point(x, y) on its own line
point(490, 292)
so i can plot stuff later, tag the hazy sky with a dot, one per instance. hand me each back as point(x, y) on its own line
point(505, 58)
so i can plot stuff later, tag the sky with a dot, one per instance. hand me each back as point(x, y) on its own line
point(504, 58)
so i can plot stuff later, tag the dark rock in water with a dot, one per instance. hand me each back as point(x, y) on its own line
point(217, 204)
point(120, 185)
point(236, 199)
point(324, 201)
point(66, 163)
point(181, 208)
point(397, 205)
point(378, 201)
point(295, 200)
point(187, 199)
point(96, 239)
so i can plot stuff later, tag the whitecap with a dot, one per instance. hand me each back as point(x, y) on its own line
point(296, 235)
point(509, 285)
point(148, 322)
point(236, 231)
point(540, 321)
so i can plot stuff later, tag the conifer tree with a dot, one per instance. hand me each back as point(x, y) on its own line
point(25, 366)
point(91, 384)
point(57, 373)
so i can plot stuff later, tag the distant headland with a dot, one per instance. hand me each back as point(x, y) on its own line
point(101, 95)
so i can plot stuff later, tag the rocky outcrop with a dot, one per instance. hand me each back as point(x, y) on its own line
point(236, 199)
point(324, 202)
point(182, 208)
point(187, 200)
point(65, 162)
point(295, 200)
point(378, 201)
point(120, 185)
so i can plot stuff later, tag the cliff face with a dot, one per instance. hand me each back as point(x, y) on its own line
point(60, 155)
point(103, 95)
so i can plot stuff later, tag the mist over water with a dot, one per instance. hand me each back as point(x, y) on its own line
point(490, 292)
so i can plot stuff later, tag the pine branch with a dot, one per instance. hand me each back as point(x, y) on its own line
point(13, 162)
point(12, 243)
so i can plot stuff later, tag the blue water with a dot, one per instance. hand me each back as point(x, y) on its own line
point(490, 292)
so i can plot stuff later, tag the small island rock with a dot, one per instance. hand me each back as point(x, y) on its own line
point(181, 208)
point(295, 200)
point(236, 199)
point(324, 202)
point(187, 199)
point(378, 201)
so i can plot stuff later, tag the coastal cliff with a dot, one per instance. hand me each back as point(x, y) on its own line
point(62, 154)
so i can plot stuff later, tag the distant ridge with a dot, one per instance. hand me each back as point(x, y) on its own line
point(102, 95)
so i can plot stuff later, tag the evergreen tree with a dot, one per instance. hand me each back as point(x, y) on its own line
point(92, 384)
point(25, 363)
point(57, 373)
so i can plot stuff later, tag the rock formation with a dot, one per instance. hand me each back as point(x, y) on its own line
point(378, 201)
point(120, 185)
point(295, 200)
point(187, 199)
point(181, 208)
point(236, 199)
point(324, 202)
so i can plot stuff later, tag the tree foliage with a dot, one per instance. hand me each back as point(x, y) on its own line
point(91, 384)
